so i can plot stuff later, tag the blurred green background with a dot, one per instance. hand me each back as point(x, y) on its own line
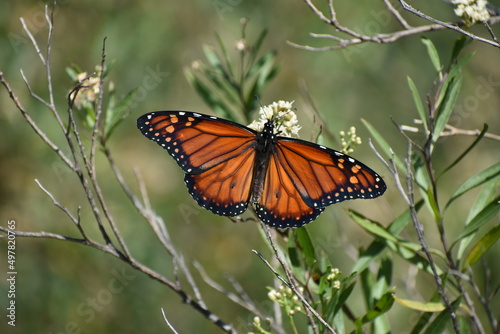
point(57, 281)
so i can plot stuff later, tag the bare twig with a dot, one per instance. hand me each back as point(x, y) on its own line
point(450, 26)
point(34, 126)
point(92, 188)
point(168, 323)
point(383, 38)
point(291, 284)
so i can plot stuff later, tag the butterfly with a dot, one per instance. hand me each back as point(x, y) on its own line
point(228, 165)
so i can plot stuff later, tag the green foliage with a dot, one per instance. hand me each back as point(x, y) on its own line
point(326, 288)
point(85, 96)
point(232, 91)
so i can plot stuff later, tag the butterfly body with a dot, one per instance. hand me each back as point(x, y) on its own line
point(227, 166)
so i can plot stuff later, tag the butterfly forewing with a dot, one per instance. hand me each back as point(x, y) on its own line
point(324, 176)
point(197, 142)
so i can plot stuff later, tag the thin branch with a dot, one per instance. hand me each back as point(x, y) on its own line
point(398, 16)
point(76, 221)
point(34, 126)
point(33, 41)
point(50, 22)
point(168, 323)
point(291, 284)
point(450, 26)
point(383, 38)
point(421, 238)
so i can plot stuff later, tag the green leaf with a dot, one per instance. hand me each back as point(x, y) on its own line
point(115, 114)
point(432, 202)
point(376, 248)
point(307, 247)
point(378, 230)
point(72, 73)
point(213, 59)
point(485, 196)
point(382, 305)
point(256, 46)
point(386, 148)
point(474, 143)
point(445, 109)
point(459, 46)
point(421, 322)
point(344, 294)
point(216, 104)
point(475, 181)
point(439, 323)
point(433, 54)
point(420, 306)
point(418, 103)
point(264, 61)
point(482, 246)
point(481, 218)
point(455, 71)
point(227, 60)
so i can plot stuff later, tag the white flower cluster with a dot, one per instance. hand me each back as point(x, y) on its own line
point(285, 120)
point(352, 141)
point(472, 10)
point(285, 297)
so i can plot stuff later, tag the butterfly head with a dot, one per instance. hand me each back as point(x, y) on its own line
point(278, 117)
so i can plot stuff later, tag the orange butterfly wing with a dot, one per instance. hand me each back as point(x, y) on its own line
point(303, 178)
point(217, 156)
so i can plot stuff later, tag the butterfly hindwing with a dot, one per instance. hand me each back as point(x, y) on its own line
point(224, 189)
point(281, 205)
point(324, 176)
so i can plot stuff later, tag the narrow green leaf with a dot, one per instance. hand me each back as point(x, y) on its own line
point(458, 47)
point(258, 43)
point(433, 54)
point(306, 244)
point(485, 196)
point(227, 61)
point(344, 294)
point(482, 246)
point(418, 103)
point(457, 68)
point(380, 231)
point(474, 143)
point(293, 253)
point(475, 181)
point(263, 62)
point(115, 114)
point(420, 306)
point(454, 72)
point(490, 211)
point(446, 108)
point(376, 248)
point(382, 305)
point(386, 148)
point(439, 323)
point(432, 202)
point(226, 87)
point(422, 321)
point(407, 250)
point(212, 58)
point(208, 97)
point(72, 73)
